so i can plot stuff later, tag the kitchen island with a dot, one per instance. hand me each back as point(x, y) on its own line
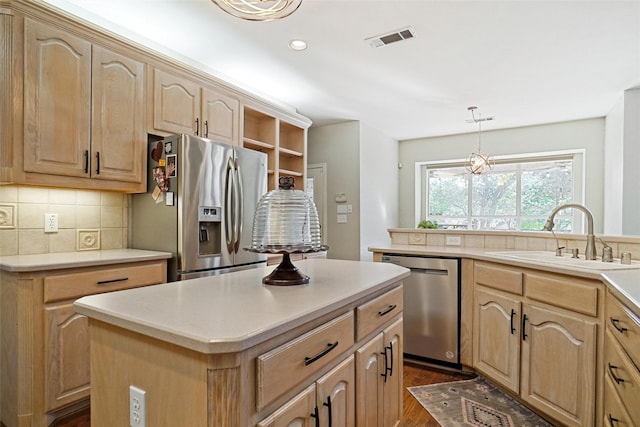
point(230, 351)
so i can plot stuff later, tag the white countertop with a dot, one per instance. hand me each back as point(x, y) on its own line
point(625, 284)
point(235, 311)
point(60, 260)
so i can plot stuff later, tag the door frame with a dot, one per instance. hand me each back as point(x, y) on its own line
point(323, 213)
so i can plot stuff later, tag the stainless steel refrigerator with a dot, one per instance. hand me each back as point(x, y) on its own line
point(200, 203)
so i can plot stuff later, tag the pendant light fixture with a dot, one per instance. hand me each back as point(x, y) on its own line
point(479, 162)
point(259, 10)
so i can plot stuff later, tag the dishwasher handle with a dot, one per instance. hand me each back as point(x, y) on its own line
point(432, 271)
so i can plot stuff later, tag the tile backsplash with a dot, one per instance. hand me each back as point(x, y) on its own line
point(519, 240)
point(87, 220)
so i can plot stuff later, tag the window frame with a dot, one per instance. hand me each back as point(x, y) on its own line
point(577, 157)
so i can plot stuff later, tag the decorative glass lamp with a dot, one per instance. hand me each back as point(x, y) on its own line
point(286, 222)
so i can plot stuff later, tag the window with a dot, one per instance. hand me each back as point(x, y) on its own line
point(518, 194)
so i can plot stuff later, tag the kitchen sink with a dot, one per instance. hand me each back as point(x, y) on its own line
point(565, 260)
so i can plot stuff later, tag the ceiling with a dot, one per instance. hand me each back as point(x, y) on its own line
point(524, 62)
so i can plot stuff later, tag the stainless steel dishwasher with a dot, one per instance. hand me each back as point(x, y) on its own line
point(431, 308)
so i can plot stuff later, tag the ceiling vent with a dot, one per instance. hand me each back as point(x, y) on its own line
point(396, 36)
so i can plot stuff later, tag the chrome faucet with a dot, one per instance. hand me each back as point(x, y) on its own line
point(590, 251)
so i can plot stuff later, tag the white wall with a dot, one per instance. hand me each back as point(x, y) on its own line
point(378, 189)
point(339, 147)
point(580, 134)
point(362, 163)
point(631, 160)
point(613, 155)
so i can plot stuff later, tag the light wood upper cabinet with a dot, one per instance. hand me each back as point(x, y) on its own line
point(221, 115)
point(118, 133)
point(57, 101)
point(176, 103)
point(83, 111)
point(181, 105)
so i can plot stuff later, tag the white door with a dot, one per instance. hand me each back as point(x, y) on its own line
point(317, 182)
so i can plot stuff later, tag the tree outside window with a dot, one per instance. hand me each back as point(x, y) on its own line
point(515, 195)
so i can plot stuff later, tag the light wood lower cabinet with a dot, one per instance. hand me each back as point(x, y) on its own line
point(330, 401)
point(379, 379)
point(44, 370)
point(621, 364)
point(316, 374)
point(532, 345)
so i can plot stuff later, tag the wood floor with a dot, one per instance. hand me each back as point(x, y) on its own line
point(414, 414)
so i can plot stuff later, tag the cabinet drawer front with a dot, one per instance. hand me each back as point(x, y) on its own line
point(498, 278)
point(288, 365)
point(624, 376)
point(373, 314)
point(105, 279)
point(625, 326)
point(615, 414)
point(570, 293)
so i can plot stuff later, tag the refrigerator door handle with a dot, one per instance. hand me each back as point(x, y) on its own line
point(239, 214)
point(229, 210)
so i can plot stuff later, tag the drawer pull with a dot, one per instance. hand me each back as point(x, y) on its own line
point(106, 282)
point(612, 420)
point(310, 360)
point(618, 380)
point(524, 333)
point(513, 314)
point(615, 322)
point(389, 308)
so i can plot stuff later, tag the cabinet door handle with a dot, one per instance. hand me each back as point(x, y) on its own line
point(386, 363)
point(615, 322)
point(197, 126)
point(106, 282)
point(328, 405)
point(86, 161)
point(316, 416)
point(390, 368)
point(524, 322)
point(389, 308)
point(617, 379)
point(310, 360)
point(612, 420)
point(206, 128)
point(98, 163)
point(513, 314)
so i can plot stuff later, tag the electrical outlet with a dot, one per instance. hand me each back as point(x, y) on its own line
point(50, 223)
point(137, 407)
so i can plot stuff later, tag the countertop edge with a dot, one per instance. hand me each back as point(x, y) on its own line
point(64, 260)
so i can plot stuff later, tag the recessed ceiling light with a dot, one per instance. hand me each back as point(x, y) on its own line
point(297, 44)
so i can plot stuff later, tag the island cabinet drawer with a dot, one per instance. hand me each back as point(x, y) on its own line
point(290, 364)
point(615, 414)
point(571, 293)
point(625, 326)
point(498, 277)
point(623, 374)
point(373, 314)
point(103, 279)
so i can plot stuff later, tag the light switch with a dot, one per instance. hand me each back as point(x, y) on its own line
point(342, 209)
point(342, 219)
